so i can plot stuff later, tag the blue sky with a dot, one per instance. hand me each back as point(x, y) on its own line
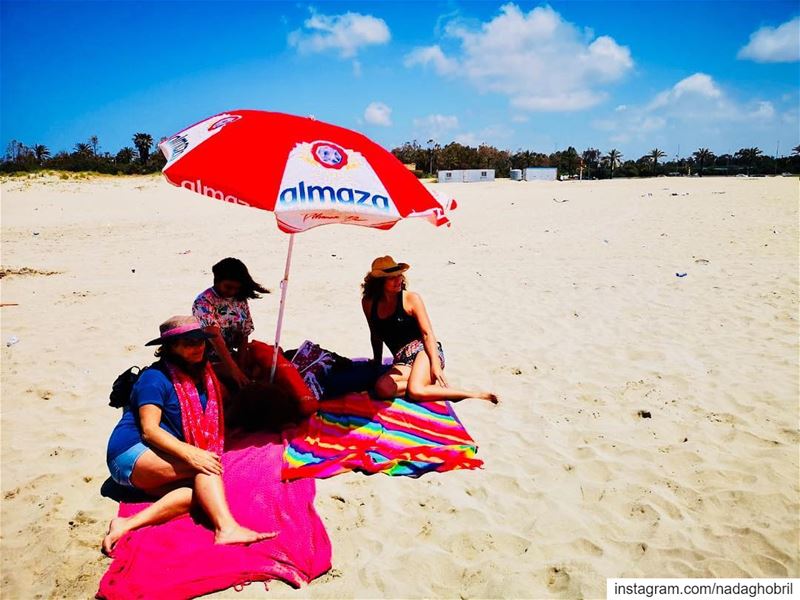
point(626, 75)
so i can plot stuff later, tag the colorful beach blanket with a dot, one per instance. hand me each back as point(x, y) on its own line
point(397, 437)
point(180, 560)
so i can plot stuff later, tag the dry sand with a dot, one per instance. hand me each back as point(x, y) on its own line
point(562, 297)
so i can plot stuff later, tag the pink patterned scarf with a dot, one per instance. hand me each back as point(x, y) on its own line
point(202, 428)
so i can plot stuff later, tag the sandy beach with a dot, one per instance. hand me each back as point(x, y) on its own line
point(648, 424)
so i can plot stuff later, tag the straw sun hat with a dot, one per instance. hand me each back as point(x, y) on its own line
point(385, 266)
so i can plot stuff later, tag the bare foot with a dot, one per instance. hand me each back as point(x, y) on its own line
point(490, 397)
point(241, 535)
point(116, 529)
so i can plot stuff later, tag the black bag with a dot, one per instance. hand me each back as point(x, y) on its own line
point(123, 385)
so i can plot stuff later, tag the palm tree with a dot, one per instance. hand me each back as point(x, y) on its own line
point(748, 156)
point(143, 143)
point(41, 152)
point(702, 156)
point(590, 157)
point(796, 150)
point(613, 159)
point(655, 154)
point(125, 156)
point(81, 148)
point(95, 144)
point(570, 160)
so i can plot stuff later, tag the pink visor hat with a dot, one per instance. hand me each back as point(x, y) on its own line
point(179, 327)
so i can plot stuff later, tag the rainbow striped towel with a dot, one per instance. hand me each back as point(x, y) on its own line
point(356, 433)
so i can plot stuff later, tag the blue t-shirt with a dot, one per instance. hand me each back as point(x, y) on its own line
point(152, 387)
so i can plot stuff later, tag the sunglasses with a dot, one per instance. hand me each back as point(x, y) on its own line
point(191, 341)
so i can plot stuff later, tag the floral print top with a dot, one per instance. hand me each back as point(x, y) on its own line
point(232, 316)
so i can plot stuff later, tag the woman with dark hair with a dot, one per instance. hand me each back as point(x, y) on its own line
point(169, 441)
point(398, 319)
point(225, 314)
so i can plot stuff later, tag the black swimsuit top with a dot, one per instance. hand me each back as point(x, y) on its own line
point(398, 329)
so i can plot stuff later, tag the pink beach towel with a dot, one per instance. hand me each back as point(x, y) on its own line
point(180, 560)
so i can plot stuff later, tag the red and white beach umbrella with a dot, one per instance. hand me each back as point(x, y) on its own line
point(307, 172)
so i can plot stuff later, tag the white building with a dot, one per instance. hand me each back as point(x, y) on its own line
point(540, 174)
point(516, 174)
point(465, 175)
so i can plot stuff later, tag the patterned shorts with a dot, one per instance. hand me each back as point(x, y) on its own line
point(407, 354)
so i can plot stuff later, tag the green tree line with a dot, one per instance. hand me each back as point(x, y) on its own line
point(593, 163)
point(140, 157)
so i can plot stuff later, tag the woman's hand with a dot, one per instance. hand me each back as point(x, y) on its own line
point(437, 375)
point(203, 461)
point(240, 378)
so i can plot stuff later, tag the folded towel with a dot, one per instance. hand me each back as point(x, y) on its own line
point(395, 437)
point(180, 560)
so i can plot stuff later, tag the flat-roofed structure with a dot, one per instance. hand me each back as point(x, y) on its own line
point(540, 173)
point(465, 175)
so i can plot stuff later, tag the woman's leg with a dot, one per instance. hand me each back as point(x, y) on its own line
point(420, 388)
point(210, 493)
point(393, 383)
point(173, 504)
point(160, 476)
point(154, 471)
point(157, 475)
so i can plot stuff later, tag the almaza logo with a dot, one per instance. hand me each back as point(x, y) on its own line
point(177, 144)
point(309, 194)
point(329, 155)
point(344, 184)
point(176, 147)
point(199, 187)
point(224, 121)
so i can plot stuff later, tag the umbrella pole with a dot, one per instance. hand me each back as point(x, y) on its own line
point(284, 286)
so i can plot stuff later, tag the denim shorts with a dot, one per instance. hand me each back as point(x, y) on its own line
point(121, 467)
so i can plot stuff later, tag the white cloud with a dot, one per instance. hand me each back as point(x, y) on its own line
point(493, 135)
point(431, 55)
point(345, 33)
point(537, 59)
point(696, 110)
point(774, 44)
point(697, 85)
point(467, 139)
point(435, 126)
point(377, 113)
point(649, 124)
point(763, 110)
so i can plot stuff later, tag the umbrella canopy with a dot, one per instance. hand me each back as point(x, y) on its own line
point(308, 172)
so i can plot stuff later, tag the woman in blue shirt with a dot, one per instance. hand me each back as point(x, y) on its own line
point(169, 439)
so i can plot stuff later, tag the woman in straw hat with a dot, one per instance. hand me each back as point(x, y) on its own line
point(398, 319)
point(168, 443)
